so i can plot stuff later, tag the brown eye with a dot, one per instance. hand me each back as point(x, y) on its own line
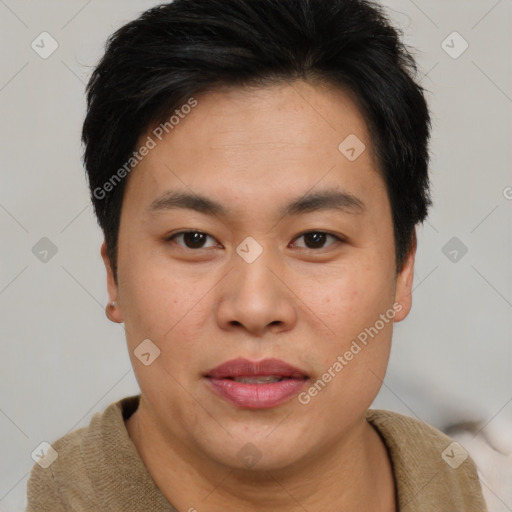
point(317, 239)
point(191, 239)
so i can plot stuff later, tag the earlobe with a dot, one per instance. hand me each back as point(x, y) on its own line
point(404, 281)
point(113, 309)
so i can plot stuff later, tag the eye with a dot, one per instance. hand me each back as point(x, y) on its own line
point(191, 239)
point(316, 239)
point(195, 240)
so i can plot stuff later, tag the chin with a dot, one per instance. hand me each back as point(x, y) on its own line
point(252, 450)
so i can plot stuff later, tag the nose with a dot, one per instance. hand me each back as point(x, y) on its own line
point(257, 297)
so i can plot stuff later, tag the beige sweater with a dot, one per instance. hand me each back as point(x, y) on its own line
point(99, 469)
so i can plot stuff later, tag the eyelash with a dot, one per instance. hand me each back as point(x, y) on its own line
point(337, 238)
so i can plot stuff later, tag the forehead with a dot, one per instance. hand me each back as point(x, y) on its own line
point(260, 143)
point(272, 118)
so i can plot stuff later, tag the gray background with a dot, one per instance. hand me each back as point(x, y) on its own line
point(62, 360)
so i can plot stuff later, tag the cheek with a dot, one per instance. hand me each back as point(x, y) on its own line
point(147, 305)
point(161, 304)
point(351, 298)
point(353, 360)
point(351, 306)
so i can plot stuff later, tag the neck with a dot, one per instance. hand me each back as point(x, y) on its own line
point(353, 473)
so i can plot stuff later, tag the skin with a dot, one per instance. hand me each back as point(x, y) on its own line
point(254, 150)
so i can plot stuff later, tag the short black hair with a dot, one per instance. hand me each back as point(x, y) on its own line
point(178, 50)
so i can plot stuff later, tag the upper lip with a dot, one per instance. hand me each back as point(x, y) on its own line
point(241, 367)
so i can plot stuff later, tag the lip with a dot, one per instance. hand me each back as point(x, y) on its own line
point(256, 396)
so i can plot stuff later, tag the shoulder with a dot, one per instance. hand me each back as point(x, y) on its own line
point(392, 424)
point(429, 467)
point(65, 476)
point(43, 490)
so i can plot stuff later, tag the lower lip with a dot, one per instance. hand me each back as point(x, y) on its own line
point(257, 396)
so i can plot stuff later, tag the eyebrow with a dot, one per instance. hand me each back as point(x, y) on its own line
point(310, 202)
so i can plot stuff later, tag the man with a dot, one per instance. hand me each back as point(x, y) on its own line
point(258, 169)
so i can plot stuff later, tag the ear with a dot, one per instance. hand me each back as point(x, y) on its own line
point(403, 290)
point(115, 314)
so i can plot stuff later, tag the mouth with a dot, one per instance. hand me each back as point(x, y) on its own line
point(258, 380)
point(256, 384)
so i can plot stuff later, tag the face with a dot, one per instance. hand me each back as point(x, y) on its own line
point(290, 258)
